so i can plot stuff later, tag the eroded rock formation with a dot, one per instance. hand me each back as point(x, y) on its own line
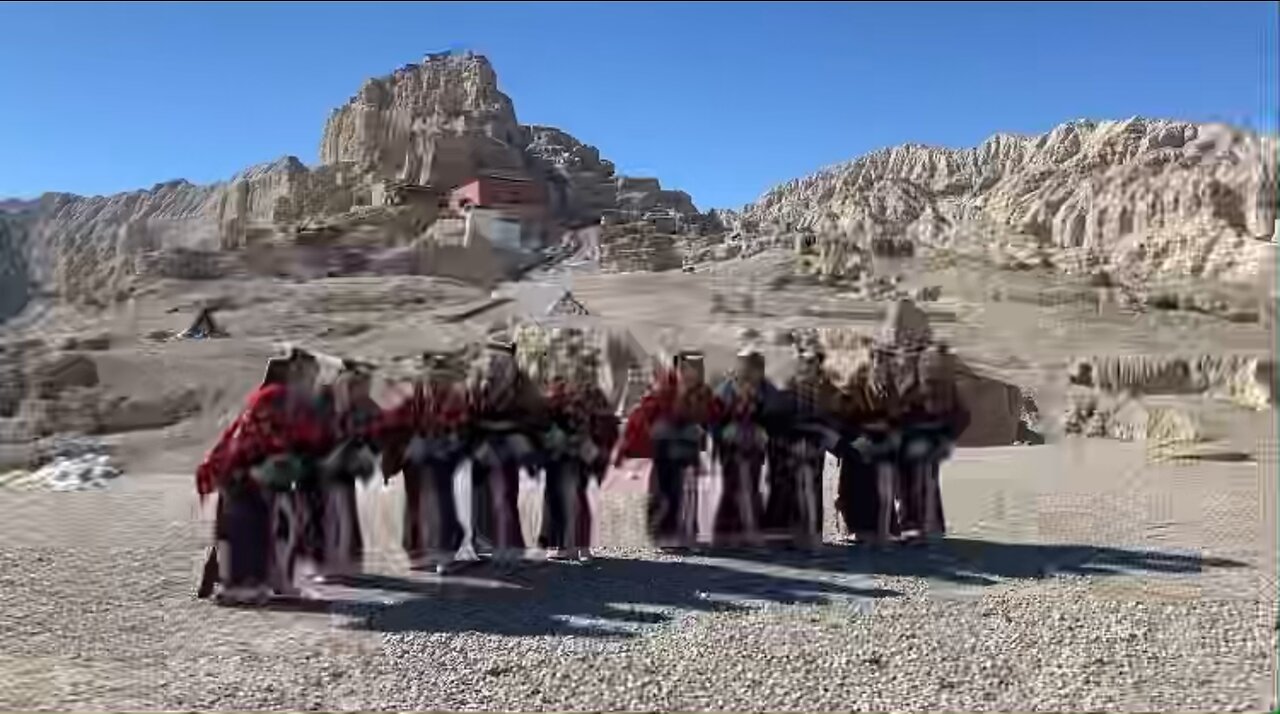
point(1134, 198)
point(432, 123)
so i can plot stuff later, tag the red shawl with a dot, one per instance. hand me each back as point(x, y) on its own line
point(664, 401)
point(584, 407)
point(427, 412)
point(266, 427)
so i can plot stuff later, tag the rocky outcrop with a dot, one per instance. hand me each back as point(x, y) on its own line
point(1133, 198)
point(1244, 380)
point(436, 122)
point(433, 123)
point(638, 247)
point(15, 279)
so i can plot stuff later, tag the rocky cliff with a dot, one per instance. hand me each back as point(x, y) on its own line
point(1136, 199)
point(435, 122)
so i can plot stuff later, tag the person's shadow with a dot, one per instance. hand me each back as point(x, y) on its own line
point(606, 597)
point(624, 597)
point(979, 562)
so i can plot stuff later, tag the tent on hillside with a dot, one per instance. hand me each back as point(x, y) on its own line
point(204, 327)
point(567, 304)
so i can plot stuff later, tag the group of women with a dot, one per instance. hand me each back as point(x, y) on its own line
point(286, 470)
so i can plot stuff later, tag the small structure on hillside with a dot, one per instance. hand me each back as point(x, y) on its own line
point(567, 304)
point(204, 327)
point(508, 209)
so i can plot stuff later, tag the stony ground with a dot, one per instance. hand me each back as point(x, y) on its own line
point(1084, 602)
point(1078, 575)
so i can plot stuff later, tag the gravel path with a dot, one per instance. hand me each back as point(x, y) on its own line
point(96, 613)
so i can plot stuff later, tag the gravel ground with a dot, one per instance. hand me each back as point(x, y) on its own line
point(96, 613)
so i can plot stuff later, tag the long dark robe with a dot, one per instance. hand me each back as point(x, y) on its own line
point(797, 458)
point(741, 440)
point(668, 427)
point(566, 508)
point(433, 531)
point(425, 437)
point(242, 530)
point(673, 496)
point(928, 439)
point(577, 449)
point(257, 529)
point(798, 444)
point(867, 491)
point(506, 420)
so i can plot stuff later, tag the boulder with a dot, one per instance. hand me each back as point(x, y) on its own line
point(62, 372)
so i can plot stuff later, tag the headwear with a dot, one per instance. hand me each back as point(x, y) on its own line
point(683, 356)
point(499, 343)
point(277, 371)
point(358, 367)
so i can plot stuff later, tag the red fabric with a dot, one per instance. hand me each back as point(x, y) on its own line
point(429, 411)
point(265, 428)
point(584, 407)
point(665, 401)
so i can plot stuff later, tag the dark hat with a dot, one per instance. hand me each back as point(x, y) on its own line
point(683, 356)
point(501, 344)
point(358, 367)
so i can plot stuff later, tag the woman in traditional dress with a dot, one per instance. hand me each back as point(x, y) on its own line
point(425, 436)
point(869, 453)
point(253, 468)
point(934, 417)
point(581, 437)
point(669, 426)
point(798, 448)
point(509, 411)
point(747, 403)
point(335, 542)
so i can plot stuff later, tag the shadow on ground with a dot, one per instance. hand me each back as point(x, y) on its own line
point(625, 597)
point(607, 597)
point(980, 562)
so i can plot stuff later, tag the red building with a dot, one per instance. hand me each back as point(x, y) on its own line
point(497, 191)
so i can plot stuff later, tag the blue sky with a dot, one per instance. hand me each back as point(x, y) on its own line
point(723, 100)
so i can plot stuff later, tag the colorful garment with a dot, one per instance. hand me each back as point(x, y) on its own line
point(741, 440)
point(270, 425)
point(867, 490)
point(426, 437)
point(798, 446)
point(509, 412)
point(256, 528)
point(578, 444)
point(930, 429)
point(669, 426)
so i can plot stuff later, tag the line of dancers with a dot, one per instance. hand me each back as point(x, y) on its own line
point(286, 470)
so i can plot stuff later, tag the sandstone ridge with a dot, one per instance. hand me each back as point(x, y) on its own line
point(434, 122)
point(1138, 200)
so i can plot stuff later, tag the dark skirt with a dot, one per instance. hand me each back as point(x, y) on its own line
point(259, 537)
point(432, 529)
point(739, 511)
point(243, 536)
point(867, 492)
point(920, 491)
point(672, 512)
point(341, 543)
point(566, 508)
point(794, 506)
point(495, 519)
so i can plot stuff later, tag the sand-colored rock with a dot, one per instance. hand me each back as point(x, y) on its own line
point(1132, 196)
point(1245, 380)
point(61, 372)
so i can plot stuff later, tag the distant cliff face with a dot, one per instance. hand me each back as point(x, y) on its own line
point(1141, 197)
point(15, 276)
point(437, 122)
point(429, 123)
